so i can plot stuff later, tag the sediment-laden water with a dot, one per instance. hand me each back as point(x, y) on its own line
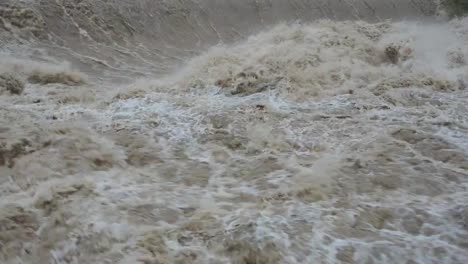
point(239, 132)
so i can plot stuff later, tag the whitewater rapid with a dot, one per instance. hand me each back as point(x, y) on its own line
point(238, 132)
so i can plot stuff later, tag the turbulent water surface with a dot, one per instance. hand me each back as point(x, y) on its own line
point(217, 131)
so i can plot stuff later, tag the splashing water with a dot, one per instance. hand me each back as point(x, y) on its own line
point(339, 137)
